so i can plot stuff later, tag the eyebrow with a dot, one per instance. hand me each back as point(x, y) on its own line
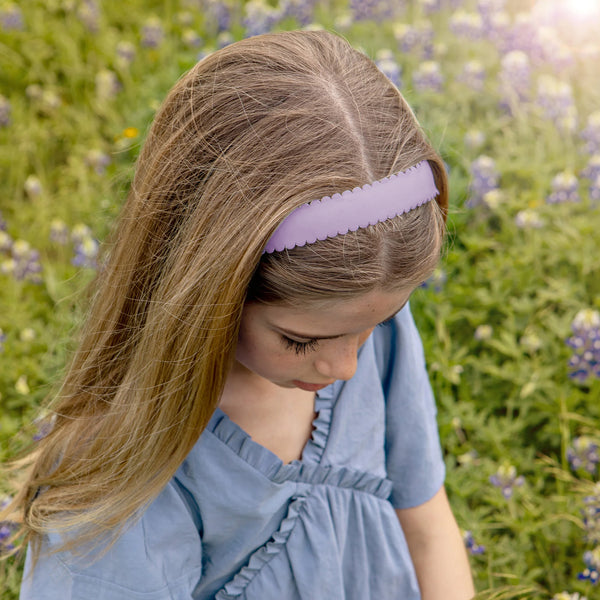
point(331, 337)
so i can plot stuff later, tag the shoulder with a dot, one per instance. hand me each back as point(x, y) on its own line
point(156, 555)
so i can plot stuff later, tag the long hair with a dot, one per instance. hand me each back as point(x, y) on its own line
point(247, 135)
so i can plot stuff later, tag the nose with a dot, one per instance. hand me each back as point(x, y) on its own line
point(339, 360)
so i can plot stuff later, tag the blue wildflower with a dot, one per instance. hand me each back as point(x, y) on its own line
point(591, 133)
point(585, 342)
point(506, 479)
point(59, 232)
point(88, 13)
point(7, 529)
point(259, 17)
point(470, 544)
point(218, 15)
point(591, 516)
point(97, 160)
point(484, 179)
point(583, 454)
point(472, 75)
point(464, 24)
point(555, 97)
point(86, 253)
point(565, 188)
point(153, 33)
point(436, 280)
point(11, 17)
point(591, 573)
point(300, 10)
point(125, 52)
point(514, 80)
point(428, 77)
point(389, 67)
point(375, 10)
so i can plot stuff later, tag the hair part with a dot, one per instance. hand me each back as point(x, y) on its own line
point(246, 136)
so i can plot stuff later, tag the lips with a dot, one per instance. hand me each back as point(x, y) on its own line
point(310, 387)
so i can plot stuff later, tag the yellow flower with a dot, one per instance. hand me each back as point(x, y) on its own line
point(130, 132)
point(22, 386)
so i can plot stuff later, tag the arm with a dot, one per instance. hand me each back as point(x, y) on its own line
point(437, 550)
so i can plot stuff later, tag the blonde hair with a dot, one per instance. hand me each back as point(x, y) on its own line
point(250, 133)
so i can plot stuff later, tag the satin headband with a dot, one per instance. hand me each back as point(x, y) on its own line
point(353, 209)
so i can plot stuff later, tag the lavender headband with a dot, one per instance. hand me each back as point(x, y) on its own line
point(353, 209)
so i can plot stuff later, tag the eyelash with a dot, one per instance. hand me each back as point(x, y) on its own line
point(312, 345)
point(300, 347)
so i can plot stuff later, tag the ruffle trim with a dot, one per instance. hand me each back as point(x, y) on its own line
point(309, 472)
point(237, 586)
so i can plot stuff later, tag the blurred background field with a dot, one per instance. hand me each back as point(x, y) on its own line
point(509, 93)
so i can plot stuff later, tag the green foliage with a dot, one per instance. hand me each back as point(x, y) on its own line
point(494, 322)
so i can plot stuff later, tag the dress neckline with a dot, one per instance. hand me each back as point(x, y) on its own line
point(260, 457)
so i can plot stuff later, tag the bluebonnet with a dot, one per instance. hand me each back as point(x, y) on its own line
point(88, 13)
point(484, 178)
point(2, 340)
point(218, 14)
point(375, 10)
point(259, 17)
point(7, 529)
point(591, 573)
point(470, 544)
point(153, 33)
point(472, 75)
point(466, 24)
point(514, 80)
point(86, 253)
point(592, 169)
point(97, 160)
point(26, 262)
point(487, 8)
point(59, 232)
point(387, 64)
point(591, 133)
point(585, 342)
point(436, 280)
point(555, 97)
point(565, 188)
point(595, 190)
point(430, 6)
point(506, 479)
point(300, 10)
point(428, 77)
point(591, 516)
point(191, 38)
point(583, 454)
point(11, 17)
point(125, 52)
point(5, 110)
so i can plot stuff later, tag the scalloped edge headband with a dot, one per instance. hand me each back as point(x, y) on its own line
point(353, 209)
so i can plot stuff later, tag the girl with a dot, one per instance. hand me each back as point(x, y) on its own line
point(249, 401)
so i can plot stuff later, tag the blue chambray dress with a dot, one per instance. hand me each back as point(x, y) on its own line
point(236, 523)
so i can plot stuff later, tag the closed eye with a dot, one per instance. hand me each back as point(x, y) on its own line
point(300, 347)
